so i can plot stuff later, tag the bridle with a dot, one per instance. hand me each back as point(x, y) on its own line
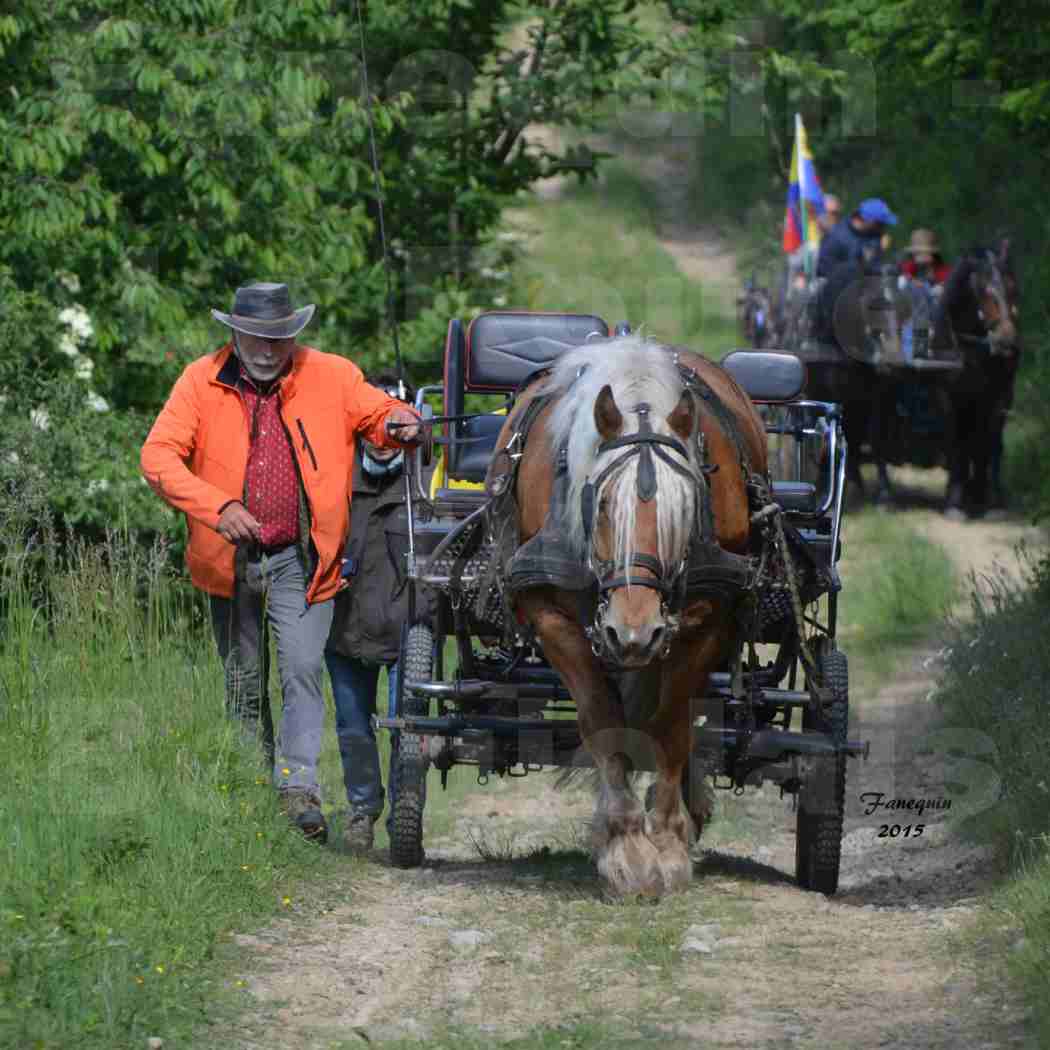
point(644, 444)
point(994, 286)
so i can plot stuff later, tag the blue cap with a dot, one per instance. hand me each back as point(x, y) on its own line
point(875, 210)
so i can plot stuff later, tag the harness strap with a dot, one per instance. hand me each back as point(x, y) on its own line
point(639, 561)
point(702, 389)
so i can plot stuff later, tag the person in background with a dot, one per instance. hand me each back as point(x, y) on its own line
point(856, 239)
point(366, 628)
point(255, 446)
point(923, 261)
point(832, 212)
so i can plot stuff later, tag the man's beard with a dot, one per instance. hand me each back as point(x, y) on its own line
point(262, 368)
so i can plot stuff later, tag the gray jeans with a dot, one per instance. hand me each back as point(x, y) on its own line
point(273, 597)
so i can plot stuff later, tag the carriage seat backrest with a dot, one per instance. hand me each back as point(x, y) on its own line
point(503, 349)
point(767, 376)
point(494, 355)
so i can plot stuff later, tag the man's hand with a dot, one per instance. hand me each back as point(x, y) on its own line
point(406, 435)
point(236, 525)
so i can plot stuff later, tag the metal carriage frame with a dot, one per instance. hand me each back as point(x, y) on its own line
point(503, 708)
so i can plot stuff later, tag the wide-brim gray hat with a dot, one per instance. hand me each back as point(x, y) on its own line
point(265, 310)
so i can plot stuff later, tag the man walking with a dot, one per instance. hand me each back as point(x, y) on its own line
point(255, 445)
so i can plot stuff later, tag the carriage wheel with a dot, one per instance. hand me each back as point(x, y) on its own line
point(406, 835)
point(822, 797)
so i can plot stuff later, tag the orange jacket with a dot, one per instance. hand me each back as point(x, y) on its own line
point(196, 455)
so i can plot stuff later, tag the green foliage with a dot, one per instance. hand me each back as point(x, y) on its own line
point(939, 109)
point(1025, 902)
point(994, 682)
point(995, 674)
point(152, 158)
point(164, 155)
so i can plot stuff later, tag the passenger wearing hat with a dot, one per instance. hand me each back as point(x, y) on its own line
point(857, 238)
point(255, 446)
point(924, 261)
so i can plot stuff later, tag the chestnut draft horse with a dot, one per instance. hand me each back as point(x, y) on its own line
point(633, 476)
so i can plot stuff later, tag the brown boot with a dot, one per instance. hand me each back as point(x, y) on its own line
point(303, 809)
point(359, 833)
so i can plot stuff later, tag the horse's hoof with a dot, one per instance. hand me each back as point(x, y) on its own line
point(955, 513)
point(630, 866)
point(676, 867)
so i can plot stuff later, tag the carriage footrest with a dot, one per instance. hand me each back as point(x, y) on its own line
point(775, 744)
point(477, 689)
point(495, 725)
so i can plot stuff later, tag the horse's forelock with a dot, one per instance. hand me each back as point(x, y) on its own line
point(637, 370)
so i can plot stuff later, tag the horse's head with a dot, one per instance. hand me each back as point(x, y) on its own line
point(640, 507)
point(995, 289)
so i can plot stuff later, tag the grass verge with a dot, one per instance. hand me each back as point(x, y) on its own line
point(896, 584)
point(994, 684)
point(137, 826)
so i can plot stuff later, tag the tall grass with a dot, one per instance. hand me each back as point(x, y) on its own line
point(995, 680)
point(897, 585)
point(137, 827)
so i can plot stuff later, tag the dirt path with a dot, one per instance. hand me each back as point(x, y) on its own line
point(501, 946)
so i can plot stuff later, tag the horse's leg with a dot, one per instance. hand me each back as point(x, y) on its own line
point(685, 675)
point(957, 459)
point(884, 403)
point(997, 500)
point(980, 452)
point(625, 857)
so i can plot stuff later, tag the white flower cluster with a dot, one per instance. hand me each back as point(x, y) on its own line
point(79, 330)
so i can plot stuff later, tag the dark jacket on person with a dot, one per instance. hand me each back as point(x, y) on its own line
point(370, 612)
point(844, 243)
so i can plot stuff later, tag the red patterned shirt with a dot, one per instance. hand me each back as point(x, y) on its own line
point(272, 482)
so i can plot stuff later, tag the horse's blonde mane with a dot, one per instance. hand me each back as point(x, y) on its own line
point(638, 370)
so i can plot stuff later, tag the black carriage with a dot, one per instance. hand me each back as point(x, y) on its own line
point(499, 706)
point(888, 325)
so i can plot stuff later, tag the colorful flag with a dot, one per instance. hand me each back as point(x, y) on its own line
point(805, 199)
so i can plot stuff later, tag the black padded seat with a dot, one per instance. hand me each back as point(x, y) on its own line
point(474, 456)
point(458, 503)
point(796, 496)
point(767, 376)
point(503, 349)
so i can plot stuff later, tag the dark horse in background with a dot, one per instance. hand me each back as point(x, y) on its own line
point(860, 363)
point(978, 317)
